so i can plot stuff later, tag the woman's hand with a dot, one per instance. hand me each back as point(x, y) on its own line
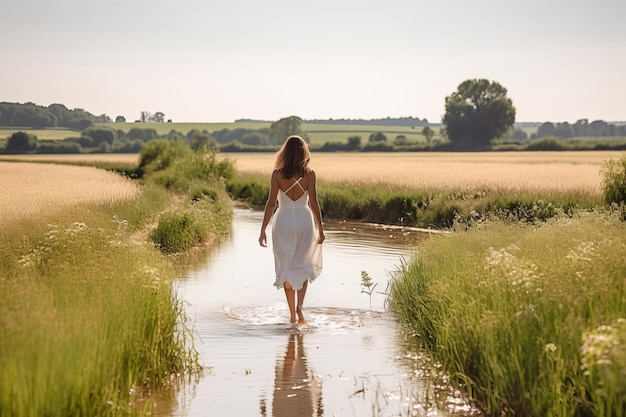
point(263, 239)
point(321, 238)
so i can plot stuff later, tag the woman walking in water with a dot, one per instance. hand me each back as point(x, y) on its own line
point(297, 231)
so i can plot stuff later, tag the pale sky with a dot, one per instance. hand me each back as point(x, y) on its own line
point(217, 61)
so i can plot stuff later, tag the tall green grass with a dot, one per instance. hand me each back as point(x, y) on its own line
point(87, 312)
point(437, 208)
point(197, 179)
point(530, 321)
point(89, 320)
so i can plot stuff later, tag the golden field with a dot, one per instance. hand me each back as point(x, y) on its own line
point(561, 171)
point(30, 189)
point(112, 158)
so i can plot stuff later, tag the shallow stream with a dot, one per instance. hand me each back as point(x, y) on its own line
point(349, 360)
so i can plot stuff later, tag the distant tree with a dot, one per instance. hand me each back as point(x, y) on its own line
point(428, 133)
point(145, 116)
point(253, 139)
point(21, 142)
point(378, 137)
point(354, 142)
point(285, 127)
point(519, 134)
point(143, 134)
point(158, 117)
point(201, 139)
point(31, 115)
point(563, 131)
point(61, 112)
point(400, 140)
point(120, 119)
point(58, 147)
point(175, 135)
point(597, 128)
point(581, 128)
point(477, 113)
point(546, 129)
point(103, 118)
point(100, 136)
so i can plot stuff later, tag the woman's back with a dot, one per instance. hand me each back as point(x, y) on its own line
point(295, 187)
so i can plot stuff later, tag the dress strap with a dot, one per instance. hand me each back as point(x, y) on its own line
point(296, 182)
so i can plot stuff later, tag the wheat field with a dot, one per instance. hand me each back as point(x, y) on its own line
point(81, 158)
point(578, 171)
point(31, 189)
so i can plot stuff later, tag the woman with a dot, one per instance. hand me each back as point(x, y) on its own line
point(297, 231)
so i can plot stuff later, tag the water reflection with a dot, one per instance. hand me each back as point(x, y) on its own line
point(297, 389)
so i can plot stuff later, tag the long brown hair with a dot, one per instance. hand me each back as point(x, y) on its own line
point(293, 158)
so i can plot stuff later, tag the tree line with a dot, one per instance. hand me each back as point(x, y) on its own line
point(581, 129)
point(387, 121)
point(55, 115)
point(478, 116)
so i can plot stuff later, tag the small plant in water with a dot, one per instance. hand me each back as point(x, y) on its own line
point(366, 282)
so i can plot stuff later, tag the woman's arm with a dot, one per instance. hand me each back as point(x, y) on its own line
point(315, 207)
point(270, 206)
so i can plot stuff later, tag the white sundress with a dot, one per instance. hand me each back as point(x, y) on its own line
point(297, 255)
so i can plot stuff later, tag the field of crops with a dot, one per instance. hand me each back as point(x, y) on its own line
point(497, 171)
point(28, 189)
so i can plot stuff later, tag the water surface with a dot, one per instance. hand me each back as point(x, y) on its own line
point(349, 360)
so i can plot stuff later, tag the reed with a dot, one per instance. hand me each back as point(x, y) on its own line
point(527, 320)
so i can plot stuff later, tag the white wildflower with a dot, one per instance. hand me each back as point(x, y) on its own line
point(549, 347)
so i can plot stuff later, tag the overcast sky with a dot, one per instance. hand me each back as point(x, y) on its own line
point(217, 61)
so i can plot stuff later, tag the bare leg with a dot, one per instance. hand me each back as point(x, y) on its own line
point(290, 293)
point(301, 294)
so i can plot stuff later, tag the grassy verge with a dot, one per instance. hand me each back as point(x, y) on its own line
point(428, 208)
point(86, 312)
point(528, 320)
point(88, 316)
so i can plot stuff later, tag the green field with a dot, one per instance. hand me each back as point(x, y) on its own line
point(52, 134)
point(318, 133)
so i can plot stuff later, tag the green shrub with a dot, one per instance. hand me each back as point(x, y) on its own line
point(160, 154)
point(614, 180)
point(548, 143)
point(177, 231)
point(21, 142)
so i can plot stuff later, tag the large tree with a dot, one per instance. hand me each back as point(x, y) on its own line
point(477, 113)
point(285, 127)
point(21, 142)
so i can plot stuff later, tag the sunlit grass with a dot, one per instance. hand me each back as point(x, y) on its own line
point(30, 189)
point(528, 320)
point(81, 159)
point(88, 316)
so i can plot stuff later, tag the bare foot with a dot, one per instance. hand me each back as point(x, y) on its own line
point(301, 319)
